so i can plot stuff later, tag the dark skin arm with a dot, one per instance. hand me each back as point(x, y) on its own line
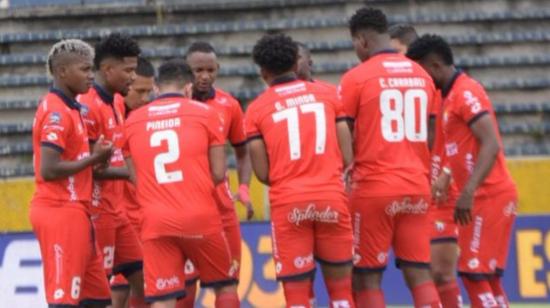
point(52, 167)
point(484, 131)
point(216, 158)
point(344, 141)
point(431, 132)
point(260, 161)
point(105, 172)
point(244, 171)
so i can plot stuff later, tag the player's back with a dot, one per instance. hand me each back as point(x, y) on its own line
point(389, 98)
point(297, 121)
point(169, 141)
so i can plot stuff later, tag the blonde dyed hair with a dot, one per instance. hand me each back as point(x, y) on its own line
point(65, 47)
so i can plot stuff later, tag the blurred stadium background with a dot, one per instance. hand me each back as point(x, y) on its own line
point(502, 43)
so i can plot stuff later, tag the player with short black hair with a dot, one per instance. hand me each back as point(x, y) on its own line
point(115, 62)
point(73, 272)
point(180, 218)
point(390, 192)
point(485, 208)
point(298, 144)
point(139, 94)
point(202, 59)
point(402, 35)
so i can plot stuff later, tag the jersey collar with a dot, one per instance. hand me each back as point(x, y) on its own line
point(283, 79)
point(71, 103)
point(210, 95)
point(170, 95)
point(447, 88)
point(105, 96)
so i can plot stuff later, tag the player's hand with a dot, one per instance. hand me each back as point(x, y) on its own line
point(463, 209)
point(440, 188)
point(348, 178)
point(102, 150)
point(243, 196)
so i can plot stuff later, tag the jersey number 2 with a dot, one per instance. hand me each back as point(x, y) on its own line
point(162, 159)
point(293, 125)
point(399, 121)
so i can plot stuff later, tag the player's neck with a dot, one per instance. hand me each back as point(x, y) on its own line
point(448, 76)
point(281, 78)
point(170, 89)
point(203, 96)
point(100, 81)
point(64, 89)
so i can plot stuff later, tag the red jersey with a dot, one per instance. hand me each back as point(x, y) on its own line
point(58, 124)
point(168, 141)
point(464, 103)
point(128, 202)
point(438, 156)
point(231, 115)
point(389, 98)
point(297, 121)
point(326, 84)
point(103, 116)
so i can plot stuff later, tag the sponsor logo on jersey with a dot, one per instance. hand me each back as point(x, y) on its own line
point(52, 136)
point(405, 206)
point(327, 215)
point(301, 262)
point(55, 117)
point(451, 149)
point(473, 263)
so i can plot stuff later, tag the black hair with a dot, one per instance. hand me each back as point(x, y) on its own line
point(405, 33)
point(174, 70)
point(277, 53)
point(115, 45)
point(368, 19)
point(430, 43)
point(200, 46)
point(145, 68)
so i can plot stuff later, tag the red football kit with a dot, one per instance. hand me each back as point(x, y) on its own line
point(444, 227)
point(230, 113)
point(484, 242)
point(310, 218)
point(168, 141)
point(73, 273)
point(117, 240)
point(389, 98)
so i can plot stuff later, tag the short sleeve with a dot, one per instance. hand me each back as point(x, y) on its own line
point(250, 124)
point(215, 129)
point(92, 120)
point(236, 130)
point(349, 97)
point(56, 129)
point(471, 104)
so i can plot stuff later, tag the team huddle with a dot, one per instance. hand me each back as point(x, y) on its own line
point(132, 205)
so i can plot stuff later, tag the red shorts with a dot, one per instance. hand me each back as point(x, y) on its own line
point(165, 259)
point(73, 273)
point(380, 223)
point(307, 231)
point(485, 241)
point(444, 228)
point(118, 282)
point(119, 244)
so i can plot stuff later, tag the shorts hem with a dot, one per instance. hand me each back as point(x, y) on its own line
point(400, 262)
point(475, 276)
point(447, 239)
point(297, 277)
point(62, 306)
point(220, 283)
point(192, 280)
point(335, 263)
point(127, 269)
point(366, 270)
point(120, 287)
point(499, 272)
point(95, 302)
point(176, 294)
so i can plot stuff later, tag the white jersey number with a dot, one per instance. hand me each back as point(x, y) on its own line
point(399, 121)
point(293, 125)
point(162, 159)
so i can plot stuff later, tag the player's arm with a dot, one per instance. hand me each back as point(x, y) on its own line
point(216, 157)
point(484, 131)
point(131, 169)
point(345, 142)
point(260, 161)
point(431, 131)
point(52, 167)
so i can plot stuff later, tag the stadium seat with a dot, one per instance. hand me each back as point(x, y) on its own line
point(18, 104)
point(16, 128)
point(16, 148)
